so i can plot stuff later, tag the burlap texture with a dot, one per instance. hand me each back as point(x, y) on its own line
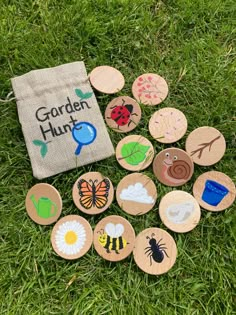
point(47, 125)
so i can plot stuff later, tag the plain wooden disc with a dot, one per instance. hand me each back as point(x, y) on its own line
point(72, 237)
point(134, 153)
point(179, 211)
point(214, 191)
point(206, 145)
point(114, 238)
point(136, 194)
point(123, 114)
point(168, 125)
point(153, 258)
point(43, 204)
point(107, 79)
point(173, 167)
point(93, 193)
point(150, 89)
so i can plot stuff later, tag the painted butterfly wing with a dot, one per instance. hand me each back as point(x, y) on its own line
point(86, 194)
point(101, 193)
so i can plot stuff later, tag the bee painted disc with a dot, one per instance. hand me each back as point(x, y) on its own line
point(72, 237)
point(114, 238)
point(168, 125)
point(206, 146)
point(179, 211)
point(43, 204)
point(155, 251)
point(107, 79)
point(214, 191)
point(123, 114)
point(93, 193)
point(136, 194)
point(173, 167)
point(134, 153)
point(150, 89)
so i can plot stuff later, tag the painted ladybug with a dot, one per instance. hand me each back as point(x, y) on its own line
point(121, 114)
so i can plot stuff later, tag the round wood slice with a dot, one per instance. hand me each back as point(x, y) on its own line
point(150, 89)
point(136, 194)
point(72, 237)
point(114, 238)
point(206, 146)
point(134, 153)
point(214, 191)
point(93, 193)
point(155, 251)
point(43, 204)
point(179, 211)
point(123, 114)
point(107, 79)
point(173, 167)
point(168, 125)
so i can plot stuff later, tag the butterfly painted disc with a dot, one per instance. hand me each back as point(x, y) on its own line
point(93, 193)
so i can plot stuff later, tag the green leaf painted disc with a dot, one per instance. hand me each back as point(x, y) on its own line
point(134, 152)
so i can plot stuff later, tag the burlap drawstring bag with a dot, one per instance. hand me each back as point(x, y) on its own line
point(60, 118)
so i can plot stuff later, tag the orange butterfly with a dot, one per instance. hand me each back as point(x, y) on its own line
point(93, 195)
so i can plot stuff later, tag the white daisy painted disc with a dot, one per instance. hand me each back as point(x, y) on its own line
point(71, 237)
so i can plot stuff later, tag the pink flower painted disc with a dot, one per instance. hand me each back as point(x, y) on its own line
point(150, 89)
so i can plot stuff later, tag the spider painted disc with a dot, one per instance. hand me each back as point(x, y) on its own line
point(155, 251)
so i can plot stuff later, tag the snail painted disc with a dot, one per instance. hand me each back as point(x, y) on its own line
point(107, 79)
point(43, 204)
point(114, 238)
point(168, 125)
point(214, 191)
point(155, 251)
point(150, 89)
point(72, 237)
point(173, 167)
point(206, 146)
point(136, 194)
point(123, 114)
point(93, 193)
point(179, 211)
point(134, 153)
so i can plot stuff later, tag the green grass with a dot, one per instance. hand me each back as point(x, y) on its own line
point(192, 44)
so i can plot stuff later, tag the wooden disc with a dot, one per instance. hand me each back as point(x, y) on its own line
point(43, 204)
point(150, 89)
point(114, 238)
point(72, 237)
point(151, 257)
point(173, 167)
point(136, 194)
point(93, 193)
point(168, 125)
point(214, 191)
point(123, 114)
point(134, 153)
point(179, 211)
point(206, 145)
point(107, 79)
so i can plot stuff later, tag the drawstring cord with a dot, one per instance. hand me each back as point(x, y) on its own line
point(8, 99)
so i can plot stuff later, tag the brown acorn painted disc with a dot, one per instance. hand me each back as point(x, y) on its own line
point(173, 167)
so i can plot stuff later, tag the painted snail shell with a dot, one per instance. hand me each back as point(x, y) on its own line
point(179, 170)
